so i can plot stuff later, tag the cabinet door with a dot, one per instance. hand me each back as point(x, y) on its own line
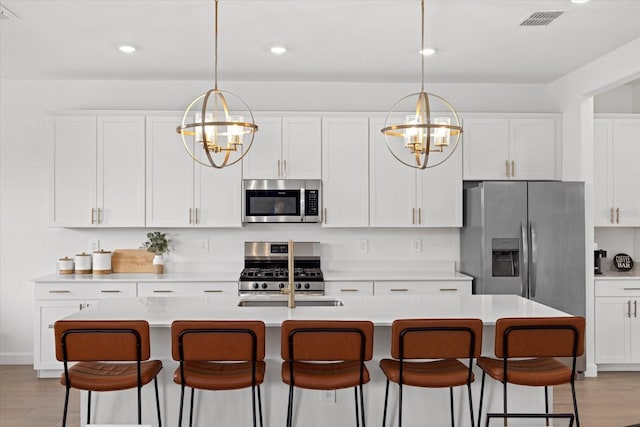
point(347, 290)
point(121, 172)
point(429, 287)
point(603, 173)
point(301, 148)
point(169, 175)
point(626, 174)
point(73, 184)
point(485, 148)
point(48, 313)
point(264, 161)
point(227, 290)
point(345, 172)
point(635, 331)
point(532, 148)
point(218, 196)
point(440, 192)
point(612, 325)
point(392, 185)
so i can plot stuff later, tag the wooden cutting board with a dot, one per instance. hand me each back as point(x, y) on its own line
point(132, 261)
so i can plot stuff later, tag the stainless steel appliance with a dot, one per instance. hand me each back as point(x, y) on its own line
point(265, 268)
point(281, 200)
point(598, 254)
point(527, 238)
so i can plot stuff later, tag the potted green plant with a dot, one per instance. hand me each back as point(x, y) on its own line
point(158, 244)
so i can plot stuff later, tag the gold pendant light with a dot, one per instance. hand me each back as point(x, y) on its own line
point(417, 130)
point(219, 131)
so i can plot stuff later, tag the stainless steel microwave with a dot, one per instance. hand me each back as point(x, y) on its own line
point(281, 200)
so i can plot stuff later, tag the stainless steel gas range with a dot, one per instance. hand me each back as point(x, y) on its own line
point(265, 268)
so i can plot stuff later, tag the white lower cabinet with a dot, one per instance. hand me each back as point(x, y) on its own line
point(188, 289)
point(431, 287)
point(617, 321)
point(346, 289)
point(57, 300)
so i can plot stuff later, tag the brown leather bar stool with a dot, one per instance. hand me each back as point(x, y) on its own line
point(326, 355)
point(219, 355)
point(446, 340)
point(111, 354)
point(539, 341)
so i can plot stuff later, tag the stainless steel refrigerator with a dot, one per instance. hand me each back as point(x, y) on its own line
point(526, 238)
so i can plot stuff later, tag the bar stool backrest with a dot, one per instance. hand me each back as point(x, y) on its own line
point(436, 338)
point(214, 340)
point(540, 337)
point(327, 340)
point(102, 340)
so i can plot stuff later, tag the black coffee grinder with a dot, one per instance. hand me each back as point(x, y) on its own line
point(598, 254)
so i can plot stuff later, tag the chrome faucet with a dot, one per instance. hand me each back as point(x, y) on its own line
point(290, 289)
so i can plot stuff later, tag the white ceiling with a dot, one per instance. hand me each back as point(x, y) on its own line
point(328, 40)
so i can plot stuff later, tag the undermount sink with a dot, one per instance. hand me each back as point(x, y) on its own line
point(284, 303)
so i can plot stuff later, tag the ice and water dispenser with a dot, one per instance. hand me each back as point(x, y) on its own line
point(505, 257)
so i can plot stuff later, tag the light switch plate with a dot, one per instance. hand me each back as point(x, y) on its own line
point(416, 245)
point(363, 246)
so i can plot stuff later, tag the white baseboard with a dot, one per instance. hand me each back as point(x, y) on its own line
point(592, 370)
point(16, 358)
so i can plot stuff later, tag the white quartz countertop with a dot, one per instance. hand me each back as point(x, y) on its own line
point(347, 276)
point(381, 310)
point(619, 275)
point(225, 276)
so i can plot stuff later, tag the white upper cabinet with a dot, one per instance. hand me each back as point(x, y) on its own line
point(345, 172)
point(285, 148)
point(616, 172)
point(181, 192)
point(401, 196)
point(98, 171)
point(506, 147)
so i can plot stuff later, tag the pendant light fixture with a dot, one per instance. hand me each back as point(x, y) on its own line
point(212, 118)
point(420, 131)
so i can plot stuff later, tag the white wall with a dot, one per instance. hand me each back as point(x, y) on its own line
point(616, 100)
point(28, 248)
point(636, 97)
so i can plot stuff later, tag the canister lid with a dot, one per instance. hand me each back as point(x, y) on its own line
point(83, 254)
point(65, 259)
point(101, 251)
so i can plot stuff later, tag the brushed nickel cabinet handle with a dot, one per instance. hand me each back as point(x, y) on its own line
point(617, 215)
point(448, 289)
point(419, 215)
point(325, 215)
point(99, 216)
point(213, 291)
point(110, 291)
point(278, 168)
point(399, 290)
point(197, 221)
point(93, 213)
point(629, 308)
point(349, 290)
point(506, 168)
point(65, 291)
point(513, 168)
point(611, 215)
point(413, 215)
point(635, 308)
point(284, 168)
point(632, 289)
point(162, 291)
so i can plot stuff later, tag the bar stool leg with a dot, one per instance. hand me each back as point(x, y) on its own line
point(155, 383)
point(139, 402)
point(290, 406)
point(181, 405)
point(504, 398)
point(400, 404)
point(470, 404)
point(355, 394)
point(386, 398)
point(575, 402)
point(193, 391)
point(66, 404)
point(362, 405)
point(253, 404)
point(484, 374)
point(546, 404)
point(260, 405)
point(453, 424)
point(89, 409)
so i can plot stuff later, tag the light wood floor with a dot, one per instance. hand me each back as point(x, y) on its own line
point(610, 400)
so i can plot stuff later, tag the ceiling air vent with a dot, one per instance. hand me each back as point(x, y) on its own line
point(6, 14)
point(540, 18)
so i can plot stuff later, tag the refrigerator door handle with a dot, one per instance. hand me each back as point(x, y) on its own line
point(524, 275)
point(534, 253)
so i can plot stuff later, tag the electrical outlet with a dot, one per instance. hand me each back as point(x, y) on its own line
point(204, 245)
point(416, 245)
point(363, 246)
point(94, 245)
point(329, 397)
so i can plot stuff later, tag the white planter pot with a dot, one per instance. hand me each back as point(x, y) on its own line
point(158, 264)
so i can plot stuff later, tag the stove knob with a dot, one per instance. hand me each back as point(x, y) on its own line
point(255, 286)
point(264, 286)
point(298, 286)
point(281, 285)
point(307, 286)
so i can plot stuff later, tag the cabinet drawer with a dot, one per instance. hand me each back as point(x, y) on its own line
point(84, 290)
point(184, 289)
point(617, 288)
point(348, 289)
point(444, 287)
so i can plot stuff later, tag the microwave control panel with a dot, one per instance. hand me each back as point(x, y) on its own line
point(311, 202)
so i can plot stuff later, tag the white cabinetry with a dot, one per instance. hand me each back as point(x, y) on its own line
point(345, 172)
point(57, 300)
point(98, 171)
point(431, 287)
point(285, 148)
point(504, 147)
point(617, 321)
point(346, 289)
point(401, 196)
point(181, 192)
point(220, 290)
point(616, 172)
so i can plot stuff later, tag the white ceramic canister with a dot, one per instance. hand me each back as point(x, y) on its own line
point(83, 263)
point(65, 265)
point(102, 262)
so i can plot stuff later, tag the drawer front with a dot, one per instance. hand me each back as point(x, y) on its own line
point(617, 288)
point(84, 290)
point(444, 287)
point(184, 289)
point(348, 289)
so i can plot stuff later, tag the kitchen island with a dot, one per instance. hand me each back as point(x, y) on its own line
point(313, 408)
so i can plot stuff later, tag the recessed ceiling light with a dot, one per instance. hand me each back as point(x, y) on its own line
point(126, 49)
point(428, 51)
point(579, 1)
point(278, 50)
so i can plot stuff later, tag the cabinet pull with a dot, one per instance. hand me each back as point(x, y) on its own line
point(611, 215)
point(419, 215)
point(190, 212)
point(99, 216)
point(64, 291)
point(284, 168)
point(349, 290)
point(196, 216)
point(513, 168)
point(162, 291)
point(506, 167)
point(448, 289)
point(617, 215)
point(325, 215)
point(278, 168)
point(399, 290)
point(110, 291)
point(629, 308)
point(632, 289)
point(635, 309)
point(213, 291)
point(413, 215)
point(93, 213)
